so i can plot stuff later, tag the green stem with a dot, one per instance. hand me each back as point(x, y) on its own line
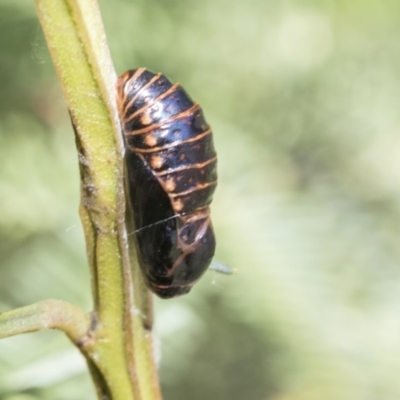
point(47, 314)
point(121, 348)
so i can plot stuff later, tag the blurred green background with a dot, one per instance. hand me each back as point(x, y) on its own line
point(304, 99)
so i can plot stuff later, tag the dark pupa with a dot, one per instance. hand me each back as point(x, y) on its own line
point(171, 174)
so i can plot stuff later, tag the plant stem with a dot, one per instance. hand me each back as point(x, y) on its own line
point(121, 359)
point(47, 314)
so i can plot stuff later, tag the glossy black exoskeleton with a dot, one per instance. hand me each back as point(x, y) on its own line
point(171, 175)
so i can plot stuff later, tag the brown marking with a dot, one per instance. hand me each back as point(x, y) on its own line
point(189, 248)
point(186, 167)
point(194, 189)
point(145, 119)
point(177, 205)
point(148, 105)
point(170, 185)
point(150, 140)
point(156, 162)
point(181, 115)
point(144, 87)
point(173, 144)
point(121, 84)
point(199, 213)
point(89, 338)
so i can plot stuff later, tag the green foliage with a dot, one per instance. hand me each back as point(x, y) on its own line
point(303, 98)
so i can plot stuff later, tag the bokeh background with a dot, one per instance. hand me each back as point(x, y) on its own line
point(304, 99)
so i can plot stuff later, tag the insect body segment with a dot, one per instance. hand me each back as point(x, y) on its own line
point(171, 169)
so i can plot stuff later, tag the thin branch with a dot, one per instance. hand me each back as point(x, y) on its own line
point(48, 314)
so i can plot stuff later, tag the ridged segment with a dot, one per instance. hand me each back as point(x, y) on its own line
point(168, 131)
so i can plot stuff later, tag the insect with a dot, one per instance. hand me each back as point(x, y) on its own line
point(171, 177)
